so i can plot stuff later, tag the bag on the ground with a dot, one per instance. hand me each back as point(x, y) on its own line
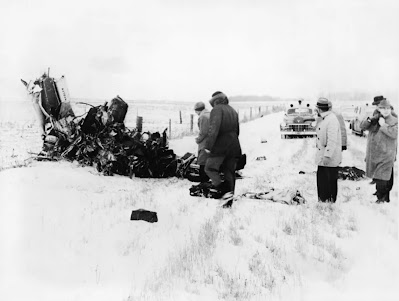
point(144, 215)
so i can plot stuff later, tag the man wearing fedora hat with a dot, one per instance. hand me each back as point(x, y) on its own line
point(376, 102)
point(373, 126)
point(381, 148)
point(328, 153)
point(203, 125)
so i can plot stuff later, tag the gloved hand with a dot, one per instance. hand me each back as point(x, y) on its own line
point(374, 119)
point(381, 121)
point(344, 147)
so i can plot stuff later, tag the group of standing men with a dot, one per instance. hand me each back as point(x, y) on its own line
point(219, 147)
point(380, 152)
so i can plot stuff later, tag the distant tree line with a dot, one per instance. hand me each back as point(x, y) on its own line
point(351, 96)
point(254, 98)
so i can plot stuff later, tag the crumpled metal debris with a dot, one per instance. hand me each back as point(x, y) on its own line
point(351, 173)
point(102, 140)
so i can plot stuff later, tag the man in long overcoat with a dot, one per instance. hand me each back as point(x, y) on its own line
point(203, 125)
point(328, 153)
point(222, 144)
point(381, 148)
point(376, 114)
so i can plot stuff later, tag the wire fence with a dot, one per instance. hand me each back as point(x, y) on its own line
point(179, 119)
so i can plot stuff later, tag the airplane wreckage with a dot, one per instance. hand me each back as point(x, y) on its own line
point(100, 138)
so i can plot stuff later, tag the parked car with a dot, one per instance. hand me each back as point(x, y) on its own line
point(348, 112)
point(361, 113)
point(299, 121)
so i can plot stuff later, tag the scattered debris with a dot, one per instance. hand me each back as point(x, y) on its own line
point(187, 167)
point(204, 190)
point(261, 158)
point(144, 215)
point(351, 173)
point(284, 196)
point(191, 170)
point(301, 172)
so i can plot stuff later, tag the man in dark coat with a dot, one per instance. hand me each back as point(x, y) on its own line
point(381, 148)
point(222, 145)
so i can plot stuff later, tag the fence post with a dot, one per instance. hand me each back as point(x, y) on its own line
point(139, 123)
point(181, 121)
point(250, 113)
point(170, 128)
point(191, 123)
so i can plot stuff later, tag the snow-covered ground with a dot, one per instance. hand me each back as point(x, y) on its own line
point(66, 234)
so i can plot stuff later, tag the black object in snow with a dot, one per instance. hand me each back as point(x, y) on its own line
point(144, 215)
point(351, 173)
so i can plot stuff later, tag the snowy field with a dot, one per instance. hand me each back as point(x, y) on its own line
point(66, 234)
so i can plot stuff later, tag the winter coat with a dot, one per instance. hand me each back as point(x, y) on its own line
point(381, 148)
point(224, 129)
point(203, 125)
point(328, 142)
point(344, 137)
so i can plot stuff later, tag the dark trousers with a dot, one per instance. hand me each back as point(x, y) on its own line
point(202, 174)
point(216, 164)
point(327, 183)
point(383, 188)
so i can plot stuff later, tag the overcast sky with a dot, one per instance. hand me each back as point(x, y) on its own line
point(186, 49)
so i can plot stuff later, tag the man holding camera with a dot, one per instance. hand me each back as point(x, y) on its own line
point(381, 147)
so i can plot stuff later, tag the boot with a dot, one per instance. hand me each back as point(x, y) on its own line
point(382, 199)
point(217, 192)
point(228, 198)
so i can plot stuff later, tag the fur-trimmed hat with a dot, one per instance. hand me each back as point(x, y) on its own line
point(323, 103)
point(199, 106)
point(377, 100)
point(218, 96)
